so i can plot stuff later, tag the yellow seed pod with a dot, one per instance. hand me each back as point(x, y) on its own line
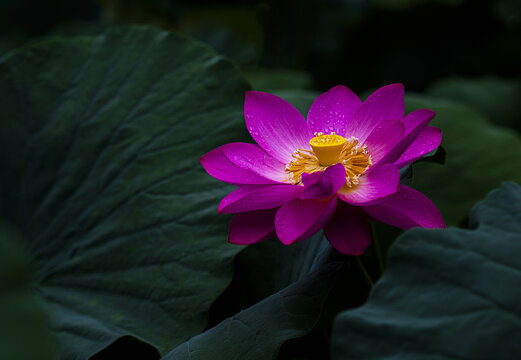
point(327, 148)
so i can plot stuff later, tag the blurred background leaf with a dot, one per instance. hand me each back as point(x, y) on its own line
point(24, 328)
point(277, 79)
point(230, 29)
point(497, 98)
point(476, 160)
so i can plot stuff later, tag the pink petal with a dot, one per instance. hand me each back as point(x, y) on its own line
point(428, 140)
point(332, 110)
point(326, 185)
point(418, 118)
point(385, 103)
point(252, 227)
point(406, 209)
point(383, 138)
point(258, 197)
point(275, 125)
point(348, 230)
point(220, 167)
point(373, 187)
point(299, 219)
point(311, 179)
point(415, 123)
point(253, 158)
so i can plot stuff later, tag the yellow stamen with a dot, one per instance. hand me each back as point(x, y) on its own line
point(329, 150)
point(304, 161)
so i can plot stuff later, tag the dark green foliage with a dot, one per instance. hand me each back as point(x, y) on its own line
point(447, 294)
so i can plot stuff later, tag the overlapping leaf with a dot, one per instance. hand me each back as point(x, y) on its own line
point(258, 332)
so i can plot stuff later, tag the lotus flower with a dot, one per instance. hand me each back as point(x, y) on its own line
point(337, 171)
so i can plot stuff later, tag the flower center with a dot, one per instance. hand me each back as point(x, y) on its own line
point(330, 150)
point(327, 148)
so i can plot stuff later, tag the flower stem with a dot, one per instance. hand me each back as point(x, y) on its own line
point(377, 249)
point(364, 272)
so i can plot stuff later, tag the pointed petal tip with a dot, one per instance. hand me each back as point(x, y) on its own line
point(285, 241)
point(407, 209)
point(216, 164)
point(432, 112)
point(221, 209)
point(252, 158)
point(428, 140)
point(385, 103)
point(396, 85)
point(275, 125)
point(333, 109)
point(254, 93)
point(436, 222)
point(204, 158)
point(339, 87)
point(383, 139)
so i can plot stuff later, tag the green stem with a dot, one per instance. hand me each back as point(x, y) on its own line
point(377, 249)
point(364, 272)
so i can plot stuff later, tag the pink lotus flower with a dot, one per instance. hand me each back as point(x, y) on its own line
point(337, 171)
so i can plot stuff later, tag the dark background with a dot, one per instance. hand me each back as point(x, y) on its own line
point(362, 44)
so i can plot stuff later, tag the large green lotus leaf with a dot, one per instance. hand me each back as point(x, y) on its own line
point(258, 332)
point(24, 332)
point(497, 98)
point(479, 156)
point(446, 294)
point(100, 143)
